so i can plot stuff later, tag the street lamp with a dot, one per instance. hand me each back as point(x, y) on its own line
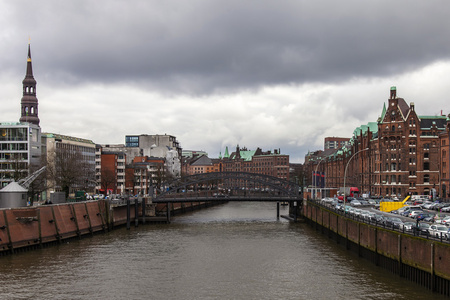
point(312, 179)
point(345, 171)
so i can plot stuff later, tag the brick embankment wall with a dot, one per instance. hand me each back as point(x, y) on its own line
point(425, 261)
point(32, 227)
point(36, 227)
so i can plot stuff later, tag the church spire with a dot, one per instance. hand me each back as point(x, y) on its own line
point(29, 102)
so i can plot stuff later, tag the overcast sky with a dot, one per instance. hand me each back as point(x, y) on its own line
point(268, 74)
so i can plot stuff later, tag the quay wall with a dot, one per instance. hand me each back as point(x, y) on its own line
point(424, 261)
point(38, 226)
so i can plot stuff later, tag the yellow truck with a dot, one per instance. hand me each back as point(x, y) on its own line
point(390, 206)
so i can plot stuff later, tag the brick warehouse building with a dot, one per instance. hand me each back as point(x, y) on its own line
point(400, 154)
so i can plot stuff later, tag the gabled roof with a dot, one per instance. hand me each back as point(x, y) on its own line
point(403, 106)
point(203, 160)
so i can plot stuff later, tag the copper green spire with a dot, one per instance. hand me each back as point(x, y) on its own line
point(226, 155)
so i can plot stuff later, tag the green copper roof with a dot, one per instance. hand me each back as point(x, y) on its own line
point(226, 155)
point(373, 126)
point(393, 88)
point(383, 113)
point(247, 155)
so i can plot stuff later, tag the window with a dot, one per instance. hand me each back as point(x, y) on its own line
point(426, 178)
point(426, 166)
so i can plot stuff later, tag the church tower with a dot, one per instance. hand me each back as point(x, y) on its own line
point(29, 102)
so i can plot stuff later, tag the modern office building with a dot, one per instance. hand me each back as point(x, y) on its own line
point(20, 150)
point(76, 153)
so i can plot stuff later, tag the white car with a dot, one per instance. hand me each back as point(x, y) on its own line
point(446, 221)
point(445, 209)
point(438, 231)
point(355, 203)
point(415, 213)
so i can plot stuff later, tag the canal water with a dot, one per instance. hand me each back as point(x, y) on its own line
point(231, 251)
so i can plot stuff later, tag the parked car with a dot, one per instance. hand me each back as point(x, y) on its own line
point(415, 213)
point(446, 221)
point(424, 217)
point(447, 234)
point(422, 228)
point(393, 222)
point(438, 217)
point(355, 203)
point(377, 218)
point(445, 209)
point(440, 206)
point(438, 230)
point(407, 226)
point(409, 209)
point(427, 204)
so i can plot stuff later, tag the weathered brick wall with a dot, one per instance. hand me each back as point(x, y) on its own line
point(414, 251)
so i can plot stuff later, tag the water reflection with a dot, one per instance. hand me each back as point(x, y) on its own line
point(231, 251)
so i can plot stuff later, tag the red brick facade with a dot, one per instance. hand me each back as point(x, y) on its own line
point(401, 154)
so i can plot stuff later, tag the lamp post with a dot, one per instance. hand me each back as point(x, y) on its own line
point(345, 171)
point(439, 178)
point(315, 172)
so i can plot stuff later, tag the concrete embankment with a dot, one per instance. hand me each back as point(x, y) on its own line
point(35, 227)
point(422, 260)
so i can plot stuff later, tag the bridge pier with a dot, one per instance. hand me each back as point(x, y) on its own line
point(168, 211)
point(278, 209)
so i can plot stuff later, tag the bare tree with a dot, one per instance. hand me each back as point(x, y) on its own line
point(108, 179)
point(38, 185)
point(67, 170)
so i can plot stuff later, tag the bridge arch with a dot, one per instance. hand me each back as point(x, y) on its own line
point(230, 181)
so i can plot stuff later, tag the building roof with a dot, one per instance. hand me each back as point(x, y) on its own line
point(403, 106)
point(14, 187)
point(426, 122)
point(226, 155)
point(202, 160)
point(67, 138)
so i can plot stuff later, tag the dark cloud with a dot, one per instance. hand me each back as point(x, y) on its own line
point(201, 47)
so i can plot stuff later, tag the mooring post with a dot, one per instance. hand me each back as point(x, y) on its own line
point(278, 209)
point(168, 212)
point(128, 213)
point(136, 212)
point(295, 211)
point(144, 202)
